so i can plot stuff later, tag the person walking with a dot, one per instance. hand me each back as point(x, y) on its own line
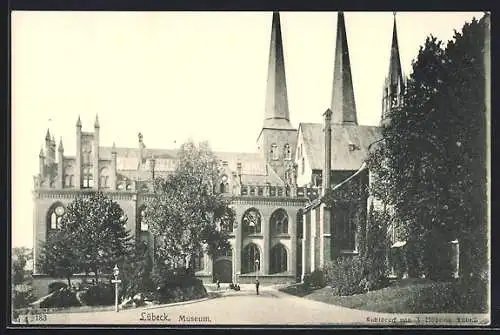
point(257, 284)
point(218, 284)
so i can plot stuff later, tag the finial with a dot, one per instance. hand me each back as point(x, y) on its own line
point(47, 136)
point(79, 122)
point(140, 137)
point(113, 149)
point(41, 155)
point(328, 114)
point(96, 123)
point(61, 148)
point(394, 13)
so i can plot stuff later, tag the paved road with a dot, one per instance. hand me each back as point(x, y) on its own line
point(271, 307)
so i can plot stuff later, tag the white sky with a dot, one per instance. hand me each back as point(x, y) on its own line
point(175, 75)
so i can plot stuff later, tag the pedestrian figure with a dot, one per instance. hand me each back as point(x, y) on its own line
point(218, 284)
point(257, 286)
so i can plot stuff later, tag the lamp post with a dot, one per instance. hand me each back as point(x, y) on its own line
point(116, 281)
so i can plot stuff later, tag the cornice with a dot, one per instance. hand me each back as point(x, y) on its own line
point(283, 201)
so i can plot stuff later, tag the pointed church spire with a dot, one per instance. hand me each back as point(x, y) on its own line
point(79, 122)
point(343, 105)
point(276, 112)
point(61, 148)
point(47, 136)
point(395, 76)
point(395, 82)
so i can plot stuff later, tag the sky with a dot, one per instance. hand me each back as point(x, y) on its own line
point(179, 75)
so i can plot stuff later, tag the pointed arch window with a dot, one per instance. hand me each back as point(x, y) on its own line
point(279, 222)
point(274, 152)
point(54, 216)
point(279, 259)
point(88, 181)
point(251, 221)
point(288, 152)
point(86, 153)
point(250, 256)
point(69, 177)
point(142, 219)
point(104, 178)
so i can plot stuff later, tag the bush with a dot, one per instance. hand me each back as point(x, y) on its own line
point(178, 285)
point(345, 275)
point(101, 294)
point(64, 297)
point(316, 279)
point(56, 286)
point(22, 299)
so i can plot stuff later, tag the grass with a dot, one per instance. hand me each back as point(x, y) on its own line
point(406, 296)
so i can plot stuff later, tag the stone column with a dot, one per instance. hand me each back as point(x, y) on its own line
point(265, 258)
point(292, 263)
point(313, 244)
point(237, 245)
point(306, 254)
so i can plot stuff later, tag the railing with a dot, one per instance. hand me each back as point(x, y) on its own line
point(278, 191)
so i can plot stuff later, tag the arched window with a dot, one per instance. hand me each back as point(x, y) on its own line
point(141, 217)
point(278, 259)
point(288, 152)
point(274, 152)
point(86, 152)
point(88, 181)
point(279, 222)
point(54, 216)
point(104, 178)
point(69, 177)
point(345, 219)
point(249, 259)
point(251, 221)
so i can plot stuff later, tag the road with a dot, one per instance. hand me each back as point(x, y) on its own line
point(271, 307)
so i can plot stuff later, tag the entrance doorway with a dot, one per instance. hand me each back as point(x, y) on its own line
point(223, 270)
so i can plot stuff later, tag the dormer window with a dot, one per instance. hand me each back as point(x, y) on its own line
point(288, 152)
point(274, 152)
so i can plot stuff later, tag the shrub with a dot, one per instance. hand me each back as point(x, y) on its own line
point(22, 299)
point(178, 285)
point(345, 274)
point(64, 297)
point(317, 279)
point(56, 286)
point(99, 295)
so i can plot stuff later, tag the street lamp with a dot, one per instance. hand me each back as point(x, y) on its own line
point(116, 281)
point(256, 269)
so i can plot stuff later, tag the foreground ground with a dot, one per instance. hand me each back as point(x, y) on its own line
point(271, 307)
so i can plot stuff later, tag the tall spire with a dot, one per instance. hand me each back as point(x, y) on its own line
point(47, 136)
point(61, 148)
point(394, 87)
point(395, 76)
point(343, 105)
point(79, 122)
point(276, 113)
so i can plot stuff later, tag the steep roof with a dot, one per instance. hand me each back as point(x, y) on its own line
point(343, 158)
point(277, 115)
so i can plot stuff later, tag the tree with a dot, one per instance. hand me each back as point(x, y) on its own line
point(431, 165)
point(136, 271)
point(60, 256)
point(186, 215)
point(91, 238)
point(20, 258)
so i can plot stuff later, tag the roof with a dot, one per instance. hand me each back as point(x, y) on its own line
point(342, 135)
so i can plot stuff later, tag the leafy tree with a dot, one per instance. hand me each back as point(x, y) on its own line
point(431, 165)
point(136, 271)
point(20, 258)
point(60, 256)
point(91, 238)
point(186, 214)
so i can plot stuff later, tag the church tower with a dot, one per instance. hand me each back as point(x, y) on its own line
point(277, 139)
point(343, 105)
point(394, 86)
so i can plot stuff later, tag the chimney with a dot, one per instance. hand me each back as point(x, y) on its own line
point(327, 167)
